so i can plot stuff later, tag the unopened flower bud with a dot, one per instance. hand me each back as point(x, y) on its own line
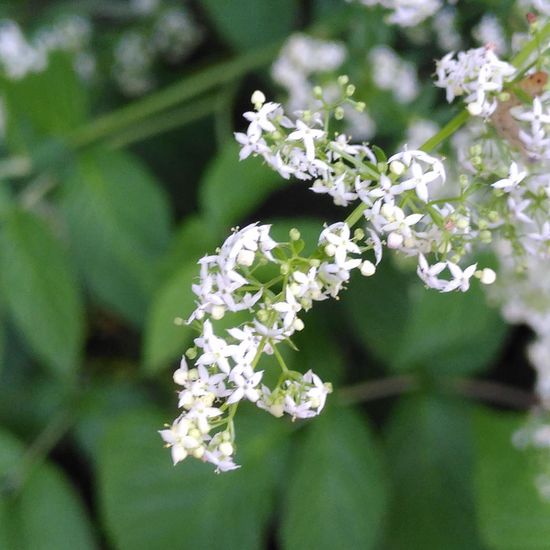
point(191, 353)
point(258, 99)
point(474, 109)
point(397, 167)
point(339, 113)
point(358, 234)
point(343, 80)
point(226, 448)
point(284, 269)
point(198, 452)
point(368, 268)
point(298, 324)
point(360, 106)
point(294, 234)
point(180, 376)
point(179, 321)
point(493, 216)
point(487, 276)
point(262, 315)
point(485, 236)
point(318, 92)
point(217, 312)
point(245, 257)
point(330, 250)
point(395, 240)
point(350, 90)
point(462, 223)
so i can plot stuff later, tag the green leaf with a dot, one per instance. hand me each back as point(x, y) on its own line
point(378, 309)
point(430, 455)
point(511, 513)
point(249, 23)
point(337, 493)
point(41, 291)
point(454, 333)
point(148, 503)
point(164, 339)
point(119, 226)
point(231, 189)
point(46, 513)
point(410, 327)
point(192, 240)
point(44, 104)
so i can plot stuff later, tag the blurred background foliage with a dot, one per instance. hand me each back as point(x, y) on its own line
point(106, 203)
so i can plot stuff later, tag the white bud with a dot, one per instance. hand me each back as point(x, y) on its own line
point(180, 376)
point(387, 211)
point(474, 109)
point(217, 312)
point(198, 452)
point(178, 453)
point(226, 448)
point(368, 268)
point(488, 276)
point(246, 258)
point(277, 409)
point(395, 240)
point(462, 223)
point(397, 167)
point(298, 324)
point(257, 99)
point(330, 250)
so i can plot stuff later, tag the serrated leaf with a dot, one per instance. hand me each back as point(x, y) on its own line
point(119, 226)
point(148, 503)
point(511, 513)
point(230, 189)
point(41, 292)
point(249, 23)
point(46, 513)
point(430, 457)
point(337, 494)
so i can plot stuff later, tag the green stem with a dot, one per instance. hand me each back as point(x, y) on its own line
point(164, 123)
point(523, 55)
point(448, 130)
point(173, 95)
point(280, 359)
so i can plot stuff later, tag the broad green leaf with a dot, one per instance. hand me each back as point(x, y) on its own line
point(119, 225)
point(46, 513)
point(430, 456)
point(44, 104)
point(378, 308)
point(409, 327)
point(106, 397)
point(450, 333)
point(250, 23)
point(41, 291)
point(166, 339)
point(511, 513)
point(148, 503)
point(337, 493)
point(192, 240)
point(231, 189)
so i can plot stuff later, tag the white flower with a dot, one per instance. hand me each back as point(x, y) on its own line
point(338, 243)
point(308, 136)
point(515, 177)
point(261, 120)
point(429, 274)
point(461, 279)
point(246, 381)
point(288, 308)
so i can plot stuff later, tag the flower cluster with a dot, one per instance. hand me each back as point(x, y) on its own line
point(398, 195)
point(478, 74)
point(305, 62)
point(407, 13)
point(20, 57)
point(274, 284)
